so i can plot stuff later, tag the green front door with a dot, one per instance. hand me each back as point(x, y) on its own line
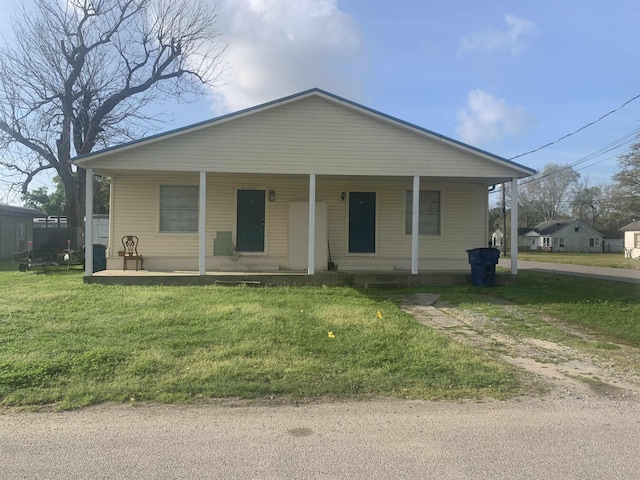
point(362, 222)
point(250, 232)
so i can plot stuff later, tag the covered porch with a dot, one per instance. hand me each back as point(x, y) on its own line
point(259, 279)
point(320, 237)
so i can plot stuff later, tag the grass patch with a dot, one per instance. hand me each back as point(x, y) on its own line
point(69, 344)
point(612, 260)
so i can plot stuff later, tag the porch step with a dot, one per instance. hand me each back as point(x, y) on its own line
point(235, 283)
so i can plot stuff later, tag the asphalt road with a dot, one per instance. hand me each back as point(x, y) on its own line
point(604, 273)
point(533, 438)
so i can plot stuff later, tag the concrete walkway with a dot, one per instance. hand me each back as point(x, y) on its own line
point(604, 273)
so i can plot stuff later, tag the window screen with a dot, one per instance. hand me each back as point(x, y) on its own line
point(178, 208)
point(429, 217)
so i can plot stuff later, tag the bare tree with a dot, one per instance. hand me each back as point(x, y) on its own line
point(587, 203)
point(78, 74)
point(628, 181)
point(547, 194)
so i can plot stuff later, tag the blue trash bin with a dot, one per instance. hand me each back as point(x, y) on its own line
point(483, 263)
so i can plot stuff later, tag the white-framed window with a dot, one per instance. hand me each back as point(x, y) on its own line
point(636, 240)
point(429, 218)
point(594, 242)
point(178, 208)
point(546, 241)
point(561, 241)
point(556, 241)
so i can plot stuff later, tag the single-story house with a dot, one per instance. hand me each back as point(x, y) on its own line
point(303, 183)
point(16, 228)
point(632, 239)
point(562, 236)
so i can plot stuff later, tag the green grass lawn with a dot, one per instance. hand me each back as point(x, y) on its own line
point(65, 344)
point(613, 260)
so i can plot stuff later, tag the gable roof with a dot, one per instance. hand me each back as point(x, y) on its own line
point(632, 227)
point(612, 234)
point(92, 160)
point(13, 211)
point(551, 226)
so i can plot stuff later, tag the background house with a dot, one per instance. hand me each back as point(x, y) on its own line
point(16, 228)
point(566, 236)
point(497, 239)
point(237, 193)
point(612, 241)
point(632, 239)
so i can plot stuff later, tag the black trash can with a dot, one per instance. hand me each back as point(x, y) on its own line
point(99, 256)
point(483, 263)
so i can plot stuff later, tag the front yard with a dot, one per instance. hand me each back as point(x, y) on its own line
point(64, 344)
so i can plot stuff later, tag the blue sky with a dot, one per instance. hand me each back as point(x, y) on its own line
point(507, 76)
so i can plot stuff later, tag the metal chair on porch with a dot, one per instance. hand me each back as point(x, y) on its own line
point(130, 252)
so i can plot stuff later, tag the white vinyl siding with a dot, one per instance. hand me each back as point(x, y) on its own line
point(429, 216)
point(461, 227)
point(311, 134)
point(178, 208)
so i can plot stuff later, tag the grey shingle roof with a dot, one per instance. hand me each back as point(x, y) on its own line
point(13, 211)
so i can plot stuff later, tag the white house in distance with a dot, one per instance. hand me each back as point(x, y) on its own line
point(236, 193)
point(562, 236)
point(632, 239)
point(497, 239)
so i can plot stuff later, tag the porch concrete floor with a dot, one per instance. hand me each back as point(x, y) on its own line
point(362, 279)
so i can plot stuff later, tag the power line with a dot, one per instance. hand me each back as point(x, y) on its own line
point(601, 151)
point(578, 130)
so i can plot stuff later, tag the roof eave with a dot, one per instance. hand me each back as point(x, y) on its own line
point(522, 170)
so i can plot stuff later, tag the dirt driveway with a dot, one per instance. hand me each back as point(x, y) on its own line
point(592, 368)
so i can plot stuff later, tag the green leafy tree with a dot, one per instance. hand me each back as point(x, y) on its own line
point(54, 203)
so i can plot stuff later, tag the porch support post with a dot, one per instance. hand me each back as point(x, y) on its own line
point(415, 225)
point(514, 226)
point(88, 224)
point(202, 224)
point(311, 261)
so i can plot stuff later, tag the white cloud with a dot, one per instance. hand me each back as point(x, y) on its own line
point(492, 40)
point(488, 119)
point(279, 47)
